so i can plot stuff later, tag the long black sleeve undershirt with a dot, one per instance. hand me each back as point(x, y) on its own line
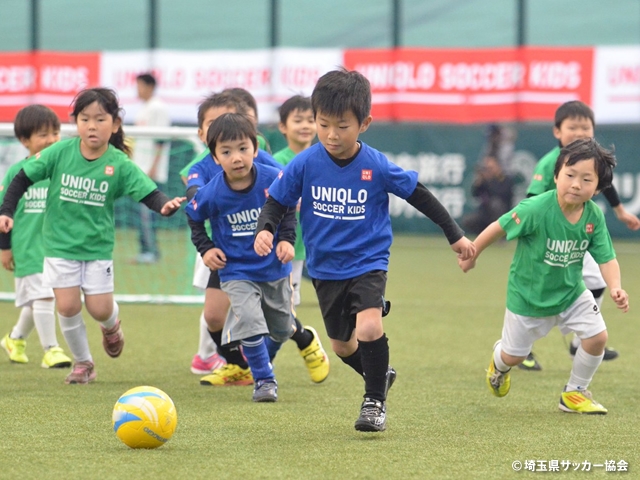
point(156, 200)
point(16, 190)
point(200, 237)
point(421, 199)
point(5, 241)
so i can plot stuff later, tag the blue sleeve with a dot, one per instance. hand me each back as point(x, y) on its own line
point(201, 207)
point(197, 175)
point(402, 183)
point(286, 189)
point(265, 159)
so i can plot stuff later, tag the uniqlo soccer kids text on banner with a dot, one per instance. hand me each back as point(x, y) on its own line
point(461, 86)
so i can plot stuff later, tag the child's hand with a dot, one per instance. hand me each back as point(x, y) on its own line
point(263, 243)
point(466, 265)
point(629, 219)
point(6, 224)
point(6, 256)
point(215, 259)
point(285, 251)
point(171, 206)
point(621, 298)
point(464, 248)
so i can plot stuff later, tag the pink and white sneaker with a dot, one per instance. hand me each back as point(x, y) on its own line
point(113, 340)
point(82, 373)
point(208, 365)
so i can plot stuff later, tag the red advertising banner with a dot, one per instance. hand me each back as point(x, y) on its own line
point(49, 78)
point(465, 86)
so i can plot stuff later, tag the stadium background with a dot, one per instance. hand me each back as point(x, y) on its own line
point(444, 153)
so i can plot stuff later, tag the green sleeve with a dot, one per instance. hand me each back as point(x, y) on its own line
point(543, 178)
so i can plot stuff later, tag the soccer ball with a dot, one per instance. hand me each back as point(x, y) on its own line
point(144, 417)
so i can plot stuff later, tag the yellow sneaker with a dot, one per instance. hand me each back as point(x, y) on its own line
point(315, 358)
point(580, 402)
point(228, 374)
point(499, 383)
point(15, 348)
point(54, 357)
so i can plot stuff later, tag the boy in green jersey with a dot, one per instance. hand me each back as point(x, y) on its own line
point(574, 120)
point(555, 230)
point(87, 174)
point(37, 127)
point(298, 126)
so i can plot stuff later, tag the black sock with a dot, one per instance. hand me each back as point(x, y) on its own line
point(302, 337)
point(354, 361)
point(231, 353)
point(375, 363)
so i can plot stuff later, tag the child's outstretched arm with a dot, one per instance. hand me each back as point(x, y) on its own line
point(611, 274)
point(489, 235)
point(15, 191)
point(629, 219)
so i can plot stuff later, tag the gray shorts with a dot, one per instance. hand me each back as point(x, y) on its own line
point(258, 308)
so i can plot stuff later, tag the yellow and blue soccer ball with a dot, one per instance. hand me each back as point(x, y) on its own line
point(144, 417)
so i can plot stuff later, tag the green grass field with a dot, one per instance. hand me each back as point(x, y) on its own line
point(443, 423)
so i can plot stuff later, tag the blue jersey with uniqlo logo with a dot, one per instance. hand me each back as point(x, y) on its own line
point(344, 212)
point(207, 168)
point(233, 216)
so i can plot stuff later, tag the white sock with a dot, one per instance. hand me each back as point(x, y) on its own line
point(497, 359)
point(575, 341)
point(75, 333)
point(111, 321)
point(24, 325)
point(584, 367)
point(206, 347)
point(45, 320)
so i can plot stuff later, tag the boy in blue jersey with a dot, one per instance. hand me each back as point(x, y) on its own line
point(344, 212)
point(236, 370)
point(258, 288)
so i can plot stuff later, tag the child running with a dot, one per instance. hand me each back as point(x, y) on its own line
point(574, 120)
point(258, 287)
point(555, 230)
point(299, 128)
point(37, 127)
point(87, 174)
point(344, 186)
point(236, 371)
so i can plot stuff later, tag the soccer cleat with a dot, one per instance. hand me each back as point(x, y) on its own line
point(113, 340)
point(530, 363)
point(609, 353)
point(15, 348)
point(315, 358)
point(265, 391)
point(498, 382)
point(206, 366)
point(227, 375)
point(373, 416)
point(580, 402)
point(54, 357)
point(82, 373)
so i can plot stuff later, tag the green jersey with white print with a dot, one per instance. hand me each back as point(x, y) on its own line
point(79, 217)
point(26, 236)
point(546, 272)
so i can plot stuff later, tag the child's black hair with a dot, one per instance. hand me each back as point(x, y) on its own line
point(573, 109)
point(147, 78)
point(297, 102)
point(586, 149)
point(244, 96)
point(221, 99)
point(32, 118)
point(108, 100)
point(231, 126)
point(340, 91)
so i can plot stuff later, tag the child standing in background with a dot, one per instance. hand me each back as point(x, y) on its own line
point(299, 128)
point(37, 127)
point(87, 173)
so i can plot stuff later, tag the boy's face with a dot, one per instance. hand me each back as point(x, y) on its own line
point(577, 183)
point(41, 139)
point(210, 117)
point(236, 158)
point(572, 129)
point(339, 135)
point(145, 91)
point(300, 128)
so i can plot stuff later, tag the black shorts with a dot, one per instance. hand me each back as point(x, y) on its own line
point(214, 280)
point(341, 300)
